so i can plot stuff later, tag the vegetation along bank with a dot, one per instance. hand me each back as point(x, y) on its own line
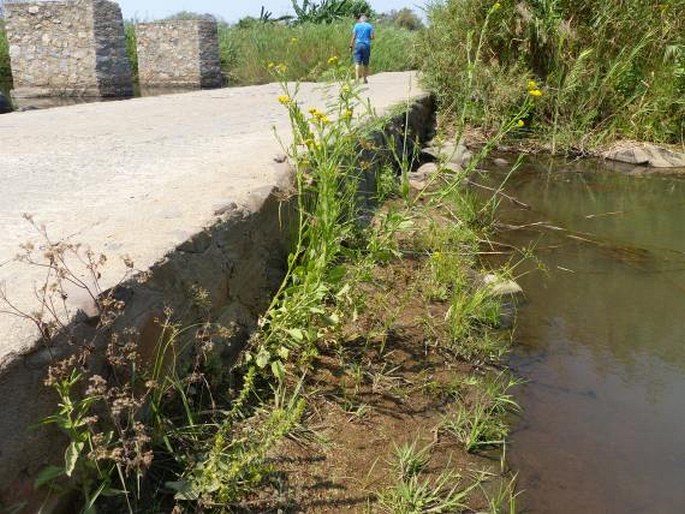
point(375, 379)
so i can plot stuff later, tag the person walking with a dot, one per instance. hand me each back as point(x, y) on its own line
point(360, 45)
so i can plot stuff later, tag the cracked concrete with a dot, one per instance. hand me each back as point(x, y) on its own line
point(185, 185)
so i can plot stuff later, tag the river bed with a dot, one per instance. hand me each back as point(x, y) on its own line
point(600, 338)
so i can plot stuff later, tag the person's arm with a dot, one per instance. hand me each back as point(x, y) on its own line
point(354, 35)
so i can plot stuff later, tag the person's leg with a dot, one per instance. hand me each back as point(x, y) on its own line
point(366, 57)
point(358, 61)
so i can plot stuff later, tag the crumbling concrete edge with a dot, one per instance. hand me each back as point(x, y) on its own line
point(239, 260)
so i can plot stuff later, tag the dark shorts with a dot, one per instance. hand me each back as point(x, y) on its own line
point(362, 54)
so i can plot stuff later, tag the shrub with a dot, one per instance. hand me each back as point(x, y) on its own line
point(404, 18)
point(5, 69)
point(606, 69)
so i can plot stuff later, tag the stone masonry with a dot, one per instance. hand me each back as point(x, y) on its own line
point(179, 53)
point(68, 48)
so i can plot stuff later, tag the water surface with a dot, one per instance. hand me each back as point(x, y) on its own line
point(601, 338)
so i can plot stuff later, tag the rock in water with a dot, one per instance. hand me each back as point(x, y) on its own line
point(648, 155)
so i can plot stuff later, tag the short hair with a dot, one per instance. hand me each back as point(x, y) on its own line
point(363, 17)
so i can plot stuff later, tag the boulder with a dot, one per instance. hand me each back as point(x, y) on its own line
point(449, 152)
point(4, 104)
point(647, 155)
point(425, 171)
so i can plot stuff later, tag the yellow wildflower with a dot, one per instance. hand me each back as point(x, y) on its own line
point(348, 114)
point(313, 111)
point(520, 123)
point(282, 68)
point(333, 60)
point(497, 6)
point(271, 66)
point(346, 88)
point(294, 40)
point(532, 84)
point(325, 120)
point(284, 99)
point(535, 92)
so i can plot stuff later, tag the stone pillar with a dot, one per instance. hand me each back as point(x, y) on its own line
point(67, 48)
point(179, 53)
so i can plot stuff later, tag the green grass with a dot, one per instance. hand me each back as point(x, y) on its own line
point(416, 495)
point(5, 69)
point(606, 69)
point(305, 50)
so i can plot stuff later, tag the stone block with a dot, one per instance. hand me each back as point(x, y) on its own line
point(179, 53)
point(68, 48)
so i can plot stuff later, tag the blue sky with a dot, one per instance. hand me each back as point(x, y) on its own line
point(231, 10)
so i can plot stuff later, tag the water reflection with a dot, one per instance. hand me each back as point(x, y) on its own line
point(601, 340)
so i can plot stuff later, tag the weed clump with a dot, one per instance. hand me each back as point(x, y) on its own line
point(598, 70)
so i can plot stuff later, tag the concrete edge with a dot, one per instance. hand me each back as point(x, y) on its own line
point(239, 260)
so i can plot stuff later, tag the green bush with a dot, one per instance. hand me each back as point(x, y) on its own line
point(607, 68)
point(131, 46)
point(5, 69)
point(304, 49)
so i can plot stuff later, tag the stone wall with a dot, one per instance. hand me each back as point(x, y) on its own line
point(67, 48)
point(179, 53)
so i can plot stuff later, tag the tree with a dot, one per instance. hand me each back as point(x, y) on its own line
point(328, 11)
point(189, 15)
point(404, 18)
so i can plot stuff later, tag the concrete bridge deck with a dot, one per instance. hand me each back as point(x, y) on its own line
point(141, 178)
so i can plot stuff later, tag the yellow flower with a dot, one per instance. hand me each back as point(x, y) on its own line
point(497, 6)
point(313, 111)
point(284, 99)
point(348, 114)
point(520, 123)
point(346, 89)
point(535, 92)
point(333, 60)
point(532, 84)
point(294, 40)
point(282, 68)
point(325, 120)
point(271, 66)
point(308, 142)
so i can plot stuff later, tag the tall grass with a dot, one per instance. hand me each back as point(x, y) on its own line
point(607, 69)
point(305, 49)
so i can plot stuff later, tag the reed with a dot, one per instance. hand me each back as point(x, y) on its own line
point(605, 69)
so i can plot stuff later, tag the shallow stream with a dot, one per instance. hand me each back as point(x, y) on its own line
point(600, 338)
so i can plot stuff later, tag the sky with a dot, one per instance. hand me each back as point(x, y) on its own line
point(232, 10)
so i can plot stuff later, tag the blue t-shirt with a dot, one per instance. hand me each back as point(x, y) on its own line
point(363, 31)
